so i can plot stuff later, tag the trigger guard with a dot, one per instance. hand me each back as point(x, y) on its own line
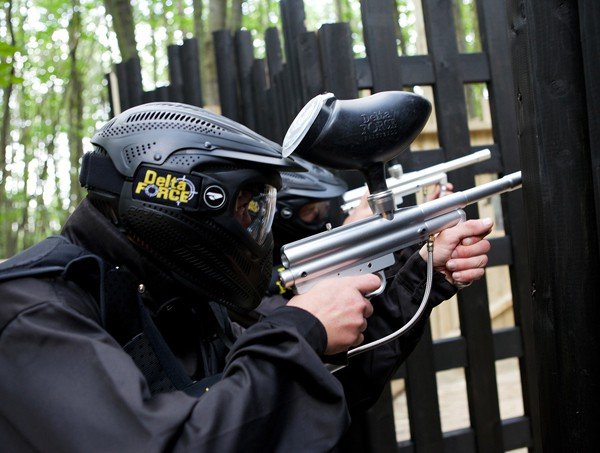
point(381, 288)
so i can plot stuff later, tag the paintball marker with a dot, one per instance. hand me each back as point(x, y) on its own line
point(362, 134)
point(368, 246)
point(403, 184)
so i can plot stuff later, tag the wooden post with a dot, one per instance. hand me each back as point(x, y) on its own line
point(555, 93)
point(473, 303)
point(337, 60)
point(190, 71)
point(493, 25)
point(122, 86)
point(292, 19)
point(175, 76)
point(275, 66)
point(245, 57)
point(311, 74)
point(380, 41)
point(133, 70)
point(226, 74)
point(259, 97)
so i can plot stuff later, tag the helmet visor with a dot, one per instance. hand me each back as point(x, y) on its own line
point(314, 213)
point(254, 210)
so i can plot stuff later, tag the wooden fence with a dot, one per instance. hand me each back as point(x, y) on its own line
point(265, 94)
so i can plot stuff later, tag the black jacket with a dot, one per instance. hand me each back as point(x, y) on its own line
point(66, 384)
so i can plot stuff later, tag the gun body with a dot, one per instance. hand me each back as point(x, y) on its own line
point(367, 246)
point(409, 183)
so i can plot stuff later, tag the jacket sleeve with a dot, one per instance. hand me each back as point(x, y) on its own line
point(66, 385)
point(366, 374)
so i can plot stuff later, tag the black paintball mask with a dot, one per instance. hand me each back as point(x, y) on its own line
point(306, 203)
point(196, 193)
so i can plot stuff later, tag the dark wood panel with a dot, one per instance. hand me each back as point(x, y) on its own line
point(292, 19)
point(311, 74)
point(337, 61)
point(553, 132)
point(501, 253)
point(175, 74)
point(192, 86)
point(259, 97)
point(473, 303)
point(516, 433)
point(422, 398)
point(226, 74)
point(379, 31)
point(244, 52)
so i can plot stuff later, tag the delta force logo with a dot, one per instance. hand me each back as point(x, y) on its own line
point(165, 187)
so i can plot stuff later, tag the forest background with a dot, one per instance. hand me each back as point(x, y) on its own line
point(54, 57)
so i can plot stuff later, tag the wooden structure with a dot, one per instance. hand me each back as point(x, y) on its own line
point(558, 93)
point(125, 83)
point(545, 121)
point(323, 61)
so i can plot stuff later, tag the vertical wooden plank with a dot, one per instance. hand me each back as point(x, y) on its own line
point(493, 26)
point(589, 15)
point(162, 94)
point(226, 74)
point(292, 19)
point(245, 58)
point(379, 421)
point(278, 87)
point(559, 201)
point(259, 97)
point(275, 67)
point(274, 116)
point(175, 76)
point(149, 96)
point(379, 32)
point(190, 69)
point(422, 397)
point(337, 60)
point(133, 70)
point(121, 72)
point(310, 66)
point(112, 86)
point(290, 106)
point(473, 303)
point(273, 51)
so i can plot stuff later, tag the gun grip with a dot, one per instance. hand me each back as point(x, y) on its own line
point(381, 288)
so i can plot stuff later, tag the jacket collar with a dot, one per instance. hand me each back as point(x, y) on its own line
point(88, 228)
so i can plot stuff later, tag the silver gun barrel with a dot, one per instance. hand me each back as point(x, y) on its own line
point(352, 197)
point(348, 236)
point(368, 251)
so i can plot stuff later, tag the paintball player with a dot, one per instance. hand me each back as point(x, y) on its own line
point(114, 336)
point(306, 204)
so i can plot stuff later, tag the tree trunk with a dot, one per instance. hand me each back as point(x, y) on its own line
point(154, 46)
point(339, 10)
point(181, 17)
point(399, 34)
point(75, 112)
point(199, 34)
point(124, 26)
point(235, 19)
point(216, 21)
point(4, 137)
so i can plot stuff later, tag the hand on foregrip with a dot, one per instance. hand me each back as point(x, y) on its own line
point(460, 252)
point(341, 307)
point(438, 193)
